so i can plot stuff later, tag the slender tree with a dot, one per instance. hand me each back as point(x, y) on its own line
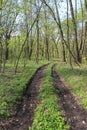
point(86, 31)
point(78, 57)
point(61, 32)
point(0, 37)
point(82, 29)
point(37, 27)
point(46, 35)
point(68, 41)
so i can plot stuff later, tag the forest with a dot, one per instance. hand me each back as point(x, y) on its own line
point(43, 64)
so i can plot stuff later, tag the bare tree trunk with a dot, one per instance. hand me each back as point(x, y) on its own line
point(68, 41)
point(29, 41)
point(82, 38)
point(31, 46)
point(7, 46)
point(31, 38)
point(0, 55)
point(25, 56)
point(0, 38)
point(56, 46)
point(6, 51)
point(86, 31)
point(26, 49)
point(61, 32)
point(15, 52)
point(46, 37)
point(37, 48)
point(37, 27)
point(75, 32)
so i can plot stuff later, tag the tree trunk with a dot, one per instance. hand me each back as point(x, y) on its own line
point(7, 47)
point(78, 57)
point(68, 41)
point(61, 32)
point(46, 37)
point(82, 38)
point(0, 38)
point(31, 46)
point(86, 31)
point(57, 51)
point(37, 47)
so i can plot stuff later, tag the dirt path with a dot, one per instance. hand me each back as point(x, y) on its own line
point(25, 111)
point(72, 109)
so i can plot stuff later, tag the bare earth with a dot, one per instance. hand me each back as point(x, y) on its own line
point(74, 112)
point(23, 118)
point(72, 109)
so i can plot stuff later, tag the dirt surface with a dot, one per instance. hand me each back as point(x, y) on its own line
point(23, 118)
point(75, 114)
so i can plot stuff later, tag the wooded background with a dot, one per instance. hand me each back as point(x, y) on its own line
point(36, 30)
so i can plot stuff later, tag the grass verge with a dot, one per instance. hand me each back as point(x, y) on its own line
point(13, 86)
point(76, 79)
point(48, 115)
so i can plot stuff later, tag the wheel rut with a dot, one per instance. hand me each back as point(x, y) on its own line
point(75, 114)
point(24, 116)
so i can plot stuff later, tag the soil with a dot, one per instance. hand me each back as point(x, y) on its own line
point(72, 109)
point(23, 118)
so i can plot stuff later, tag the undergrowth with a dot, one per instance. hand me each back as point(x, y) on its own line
point(48, 115)
point(12, 87)
point(76, 79)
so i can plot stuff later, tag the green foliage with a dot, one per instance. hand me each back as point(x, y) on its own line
point(13, 86)
point(4, 109)
point(48, 114)
point(76, 80)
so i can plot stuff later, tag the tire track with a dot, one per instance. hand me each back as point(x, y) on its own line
point(23, 119)
point(74, 112)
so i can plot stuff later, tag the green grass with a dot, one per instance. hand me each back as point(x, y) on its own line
point(48, 115)
point(13, 86)
point(76, 79)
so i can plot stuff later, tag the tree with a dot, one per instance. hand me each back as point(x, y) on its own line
point(61, 32)
point(46, 35)
point(0, 36)
point(78, 57)
point(86, 31)
point(68, 33)
point(37, 27)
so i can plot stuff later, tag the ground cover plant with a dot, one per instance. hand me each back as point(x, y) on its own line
point(76, 79)
point(13, 86)
point(48, 115)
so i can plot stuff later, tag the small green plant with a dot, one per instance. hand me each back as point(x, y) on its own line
point(4, 109)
